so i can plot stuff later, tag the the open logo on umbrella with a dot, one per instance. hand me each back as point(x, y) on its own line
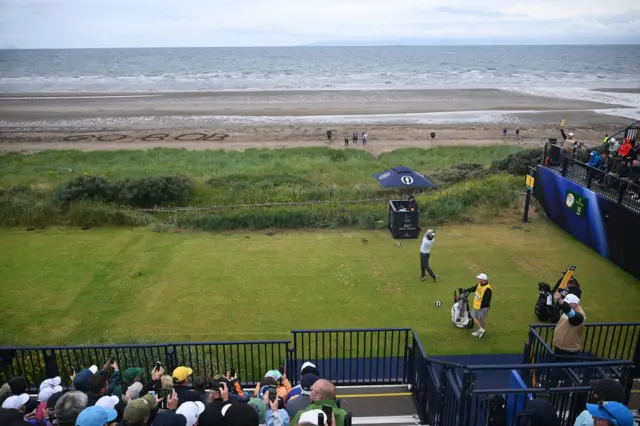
point(407, 180)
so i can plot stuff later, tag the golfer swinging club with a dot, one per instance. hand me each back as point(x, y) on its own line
point(425, 253)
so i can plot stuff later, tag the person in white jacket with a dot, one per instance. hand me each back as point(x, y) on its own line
point(425, 255)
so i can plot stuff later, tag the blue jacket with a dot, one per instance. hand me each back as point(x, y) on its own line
point(595, 160)
point(584, 419)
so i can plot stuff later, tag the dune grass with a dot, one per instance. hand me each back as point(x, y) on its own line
point(232, 177)
point(64, 286)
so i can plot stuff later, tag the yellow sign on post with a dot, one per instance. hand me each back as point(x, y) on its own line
point(562, 124)
point(529, 183)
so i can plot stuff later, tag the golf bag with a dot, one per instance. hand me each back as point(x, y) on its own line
point(546, 308)
point(460, 314)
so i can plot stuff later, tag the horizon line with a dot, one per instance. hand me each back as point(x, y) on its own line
point(321, 44)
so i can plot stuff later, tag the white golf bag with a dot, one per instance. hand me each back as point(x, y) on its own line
point(460, 314)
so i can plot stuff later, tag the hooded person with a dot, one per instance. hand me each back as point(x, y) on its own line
point(307, 368)
point(302, 401)
point(282, 383)
point(606, 390)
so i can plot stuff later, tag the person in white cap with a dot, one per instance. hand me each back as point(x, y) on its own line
point(108, 402)
point(567, 335)
point(48, 387)
point(614, 146)
point(191, 411)
point(482, 294)
point(16, 402)
point(425, 255)
point(314, 416)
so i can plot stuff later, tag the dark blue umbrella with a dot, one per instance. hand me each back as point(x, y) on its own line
point(402, 177)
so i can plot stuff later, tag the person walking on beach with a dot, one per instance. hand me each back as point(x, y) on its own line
point(346, 140)
point(329, 135)
point(425, 254)
point(354, 138)
point(518, 133)
point(364, 138)
point(504, 133)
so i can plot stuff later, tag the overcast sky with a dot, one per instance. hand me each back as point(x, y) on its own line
point(158, 23)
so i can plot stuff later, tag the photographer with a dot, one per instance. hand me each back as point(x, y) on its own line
point(282, 383)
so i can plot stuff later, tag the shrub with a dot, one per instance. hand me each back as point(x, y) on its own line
point(20, 209)
point(458, 173)
point(92, 213)
point(518, 163)
point(145, 192)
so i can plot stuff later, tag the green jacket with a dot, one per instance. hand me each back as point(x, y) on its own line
point(339, 413)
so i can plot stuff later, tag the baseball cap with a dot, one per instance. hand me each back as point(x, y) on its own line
point(274, 373)
point(137, 410)
point(82, 381)
point(572, 298)
point(107, 402)
point(15, 401)
point(615, 412)
point(311, 416)
point(134, 390)
point(181, 373)
point(51, 402)
point(239, 415)
point(18, 385)
point(570, 133)
point(169, 418)
point(48, 387)
point(96, 416)
point(608, 390)
point(260, 407)
point(130, 374)
point(307, 365)
point(307, 381)
point(483, 277)
point(191, 411)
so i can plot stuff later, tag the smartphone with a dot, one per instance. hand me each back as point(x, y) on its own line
point(328, 411)
point(281, 370)
point(158, 366)
point(72, 369)
point(232, 373)
point(111, 359)
point(273, 394)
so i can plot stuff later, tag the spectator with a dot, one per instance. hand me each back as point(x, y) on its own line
point(329, 135)
point(238, 415)
point(518, 133)
point(191, 410)
point(606, 139)
point(307, 368)
point(539, 412)
point(82, 380)
point(180, 382)
point(129, 377)
point(275, 414)
point(568, 331)
point(281, 381)
point(595, 160)
point(17, 386)
point(364, 138)
point(16, 402)
point(69, 406)
point(9, 416)
point(504, 133)
point(107, 402)
point(303, 400)
point(625, 150)
point(199, 387)
point(573, 287)
point(236, 394)
point(610, 414)
point(97, 388)
point(481, 303)
point(139, 411)
point(603, 390)
point(614, 145)
point(323, 392)
point(413, 204)
point(47, 415)
point(354, 138)
point(346, 140)
point(96, 416)
point(313, 418)
point(218, 398)
point(48, 388)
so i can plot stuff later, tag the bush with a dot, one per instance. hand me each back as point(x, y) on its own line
point(518, 163)
point(92, 213)
point(456, 174)
point(145, 192)
point(26, 209)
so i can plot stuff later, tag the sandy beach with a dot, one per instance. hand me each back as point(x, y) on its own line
point(272, 119)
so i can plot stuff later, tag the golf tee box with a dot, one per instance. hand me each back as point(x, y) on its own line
point(403, 221)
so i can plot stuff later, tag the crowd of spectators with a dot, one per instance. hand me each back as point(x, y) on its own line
point(621, 161)
point(108, 397)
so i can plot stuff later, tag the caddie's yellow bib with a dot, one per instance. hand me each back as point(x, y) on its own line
point(479, 295)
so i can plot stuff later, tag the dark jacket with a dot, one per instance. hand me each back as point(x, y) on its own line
point(297, 404)
point(185, 394)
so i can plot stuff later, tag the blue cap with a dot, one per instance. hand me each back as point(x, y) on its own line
point(169, 418)
point(96, 416)
point(307, 381)
point(82, 381)
point(616, 413)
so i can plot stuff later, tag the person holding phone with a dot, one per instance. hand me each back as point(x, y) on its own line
point(323, 395)
point(275, 414)
point(282, 383)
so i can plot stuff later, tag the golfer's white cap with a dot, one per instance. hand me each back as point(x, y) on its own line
point(572, 298)
point(311, 416)
point(108, 402)
point(430, 231)
point(191, 411)
point(483, 277)
point(570, 134)
point(15, 401)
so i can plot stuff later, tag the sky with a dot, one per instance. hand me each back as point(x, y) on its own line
point(178, 23)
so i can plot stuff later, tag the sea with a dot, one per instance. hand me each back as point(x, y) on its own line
point(556, 71)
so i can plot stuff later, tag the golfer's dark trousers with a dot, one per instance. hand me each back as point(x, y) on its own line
point(424, 265)
point(556, 375)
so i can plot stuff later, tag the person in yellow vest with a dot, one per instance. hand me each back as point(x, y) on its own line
point(481, 303)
